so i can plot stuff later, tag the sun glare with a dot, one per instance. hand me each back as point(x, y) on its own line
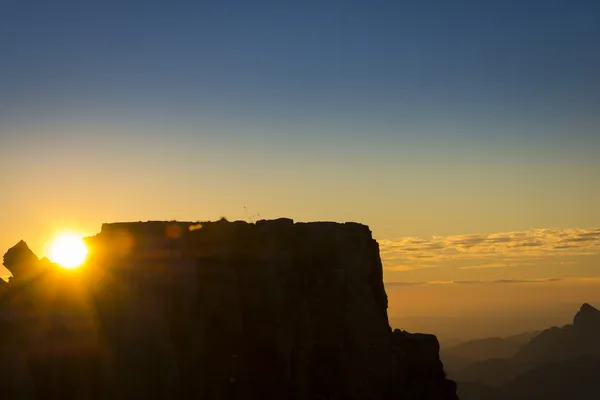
point(68, 251)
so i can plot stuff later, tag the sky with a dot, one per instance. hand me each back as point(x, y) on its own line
point(431, 119)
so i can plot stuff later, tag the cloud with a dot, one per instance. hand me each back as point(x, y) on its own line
point(405, 267)
point(507, 281)
point(528, 280)
point(387, 284)
point(499, 264)
point(476, 282)
point(490, 265)
point(586, 238)
point(498, 250)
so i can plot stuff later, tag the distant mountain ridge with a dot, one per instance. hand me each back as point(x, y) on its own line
point(558, 363)
point(463, 354)
point(557, 344)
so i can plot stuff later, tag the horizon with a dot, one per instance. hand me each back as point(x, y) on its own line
point(445, 307)
point(465, 136)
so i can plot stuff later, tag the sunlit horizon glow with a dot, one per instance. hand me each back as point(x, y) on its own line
point(68, 250)
point(465, 137)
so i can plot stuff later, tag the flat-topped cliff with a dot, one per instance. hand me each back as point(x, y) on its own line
point(272, 309)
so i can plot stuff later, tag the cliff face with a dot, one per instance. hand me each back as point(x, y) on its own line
point(275, 309)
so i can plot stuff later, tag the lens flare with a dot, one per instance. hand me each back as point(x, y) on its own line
point(68, 250)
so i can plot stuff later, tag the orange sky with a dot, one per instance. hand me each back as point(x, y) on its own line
point(525, 279)
point(467, 139)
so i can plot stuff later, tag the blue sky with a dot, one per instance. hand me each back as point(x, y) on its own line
point(399, 62)
point(417, 118)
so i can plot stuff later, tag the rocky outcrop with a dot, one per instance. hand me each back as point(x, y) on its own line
point(235, 310)
point(558, 363)
point(425, 377)
point(21, 261)
point(587, 318)
point(560, 343)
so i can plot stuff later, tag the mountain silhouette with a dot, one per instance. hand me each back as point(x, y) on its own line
point(556, 344)
point(573, 379)
point(461, 355)
point(558, 363)
point(212, 310)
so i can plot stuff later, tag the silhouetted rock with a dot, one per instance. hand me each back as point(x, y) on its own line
point(557, 344)
point(587, 318)
point(574, 379)
point(558, 363)
point(234, 310)
point(460, 357)
point(49, 342)
point(425, 378)
point(20, 260)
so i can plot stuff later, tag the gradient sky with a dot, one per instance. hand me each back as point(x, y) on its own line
point(418, 118)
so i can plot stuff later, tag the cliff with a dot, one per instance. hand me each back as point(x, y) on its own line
point(216, 310)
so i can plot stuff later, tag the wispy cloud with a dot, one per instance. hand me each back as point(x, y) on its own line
point(499, 250)
point(388, 284)
point(477, 282)
point(499, 264)
point(490, 265)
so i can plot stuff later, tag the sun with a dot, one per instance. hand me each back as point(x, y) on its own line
point(68, 250)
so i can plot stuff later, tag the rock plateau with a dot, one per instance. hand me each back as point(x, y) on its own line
point(214, 310)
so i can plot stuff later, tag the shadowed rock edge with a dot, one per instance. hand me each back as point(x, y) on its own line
point(238, 310)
